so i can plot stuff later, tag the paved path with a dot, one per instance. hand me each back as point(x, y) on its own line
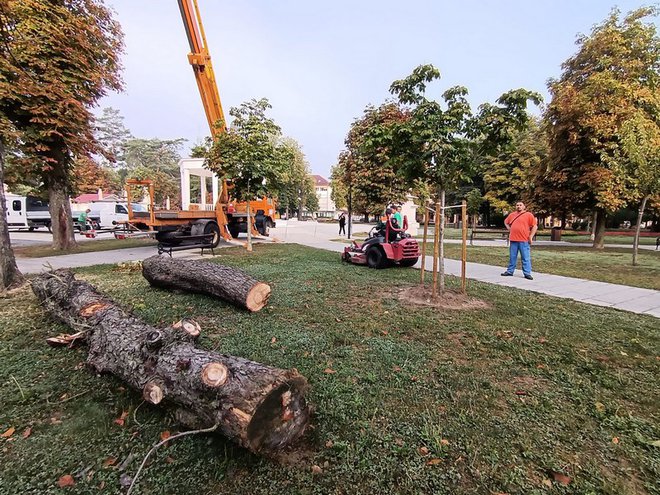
point(633, 299)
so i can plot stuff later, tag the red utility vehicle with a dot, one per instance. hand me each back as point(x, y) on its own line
point(385, 246)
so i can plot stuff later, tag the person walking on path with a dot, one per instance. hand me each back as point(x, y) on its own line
point(342, 224)
point(522, 227)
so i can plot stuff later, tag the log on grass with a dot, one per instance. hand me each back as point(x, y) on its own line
point(260, 407)
point(224, 282)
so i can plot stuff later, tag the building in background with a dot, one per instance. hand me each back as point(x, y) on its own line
point(327, 207)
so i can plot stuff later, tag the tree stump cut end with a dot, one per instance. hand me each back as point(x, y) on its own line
point(257, 297)
point(281, 418)
point(215, 374)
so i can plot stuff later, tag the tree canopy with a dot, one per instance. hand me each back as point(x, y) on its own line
point(612, 79)
point(57, 59)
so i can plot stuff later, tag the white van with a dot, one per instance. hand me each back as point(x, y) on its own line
point(111, 213)
point(27, 212)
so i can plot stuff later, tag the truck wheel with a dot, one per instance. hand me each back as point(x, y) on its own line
point(376, 258)
point(212, 228)
point(408, 262)
point(168, 238)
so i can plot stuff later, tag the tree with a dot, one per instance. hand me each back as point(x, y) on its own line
point(10, 276)
point(512, 174)
point(613, 77)
point(88, 176)
point(57, 59)
point(339, 191)
point(441, 145)
point(112, 135)
point(433, 144)
point(640, 143)
point(251, 153)
point(366, 165)
point(297, 186)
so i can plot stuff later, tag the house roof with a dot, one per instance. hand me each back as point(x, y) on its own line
point(86, 198)
point(94, 197)
point(320, 181)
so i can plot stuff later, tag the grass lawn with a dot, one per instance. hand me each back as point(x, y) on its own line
point(610, 265)
point(518, 399)
point(83, 247)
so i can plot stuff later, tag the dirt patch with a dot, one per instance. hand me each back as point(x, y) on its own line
point(421, 296)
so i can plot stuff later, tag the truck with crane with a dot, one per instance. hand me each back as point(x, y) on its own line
point(204, 222)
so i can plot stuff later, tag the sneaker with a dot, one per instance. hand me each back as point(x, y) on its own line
point(529, 277)
point(507, 274)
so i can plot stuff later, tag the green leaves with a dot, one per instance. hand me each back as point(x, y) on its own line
point(251, 152)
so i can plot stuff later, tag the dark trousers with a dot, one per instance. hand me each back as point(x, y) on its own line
point(342, 228)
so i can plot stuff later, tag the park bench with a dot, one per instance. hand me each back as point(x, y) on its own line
point(491, 232)
point(204, 241)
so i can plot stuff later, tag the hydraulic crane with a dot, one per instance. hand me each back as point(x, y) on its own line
point(227, 219)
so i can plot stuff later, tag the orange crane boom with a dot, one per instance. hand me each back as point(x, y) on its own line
point(200, 60)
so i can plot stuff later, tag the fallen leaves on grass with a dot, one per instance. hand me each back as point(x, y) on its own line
point(27, 432)
point(433, 462)
point(66, 480)
point(110, 461)
point(317, 469)
point(9, 432)
point(560, 478)
point(615, 440)
point(424, 451)
point(329, 371)
point(121, 420)
point(165, 435)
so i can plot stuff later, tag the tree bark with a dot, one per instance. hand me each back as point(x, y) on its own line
point(638, 228)
point(10, 276)
point(260, 407)
point(60, 206)
point(599, 229)
point(224, 282)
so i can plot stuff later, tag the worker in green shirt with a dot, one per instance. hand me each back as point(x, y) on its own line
point(397, 216)
point(83, 219)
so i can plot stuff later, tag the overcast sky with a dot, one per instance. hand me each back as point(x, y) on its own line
point(321, 62)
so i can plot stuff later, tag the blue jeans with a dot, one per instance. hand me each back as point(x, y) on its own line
point(514, 248)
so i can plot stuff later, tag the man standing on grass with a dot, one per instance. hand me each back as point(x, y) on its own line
point(522, 227)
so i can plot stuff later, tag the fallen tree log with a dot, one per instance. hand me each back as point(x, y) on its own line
point(224, 282)
point(260, 407)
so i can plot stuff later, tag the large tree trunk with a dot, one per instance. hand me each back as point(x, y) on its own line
point(599, 229)
point(224, 282)
point(10, 276)
point(260, 407)
point(60, 206)
point(638, 227)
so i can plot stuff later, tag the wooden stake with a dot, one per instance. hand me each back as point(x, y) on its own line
point(464, 247)
point(441, 256)
point(436, 251)
point(426, 229)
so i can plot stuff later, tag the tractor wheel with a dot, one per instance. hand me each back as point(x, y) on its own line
point(212, 228)
point(376, 258)
point(408, 262)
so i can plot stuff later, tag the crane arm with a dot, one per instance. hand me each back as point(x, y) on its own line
point(200, 59)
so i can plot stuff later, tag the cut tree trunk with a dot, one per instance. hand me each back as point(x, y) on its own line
point(260, 407)
point(224, 282)
point(10, 276)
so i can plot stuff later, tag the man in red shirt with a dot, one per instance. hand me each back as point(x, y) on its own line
point(522, 227)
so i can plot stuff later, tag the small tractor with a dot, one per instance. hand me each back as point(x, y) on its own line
point(385, 246)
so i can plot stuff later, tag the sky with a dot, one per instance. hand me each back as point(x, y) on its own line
point(320, 63)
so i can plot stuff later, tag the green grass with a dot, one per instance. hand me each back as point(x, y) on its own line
point(613, 265)
point(501, 397)
point(83, 247)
